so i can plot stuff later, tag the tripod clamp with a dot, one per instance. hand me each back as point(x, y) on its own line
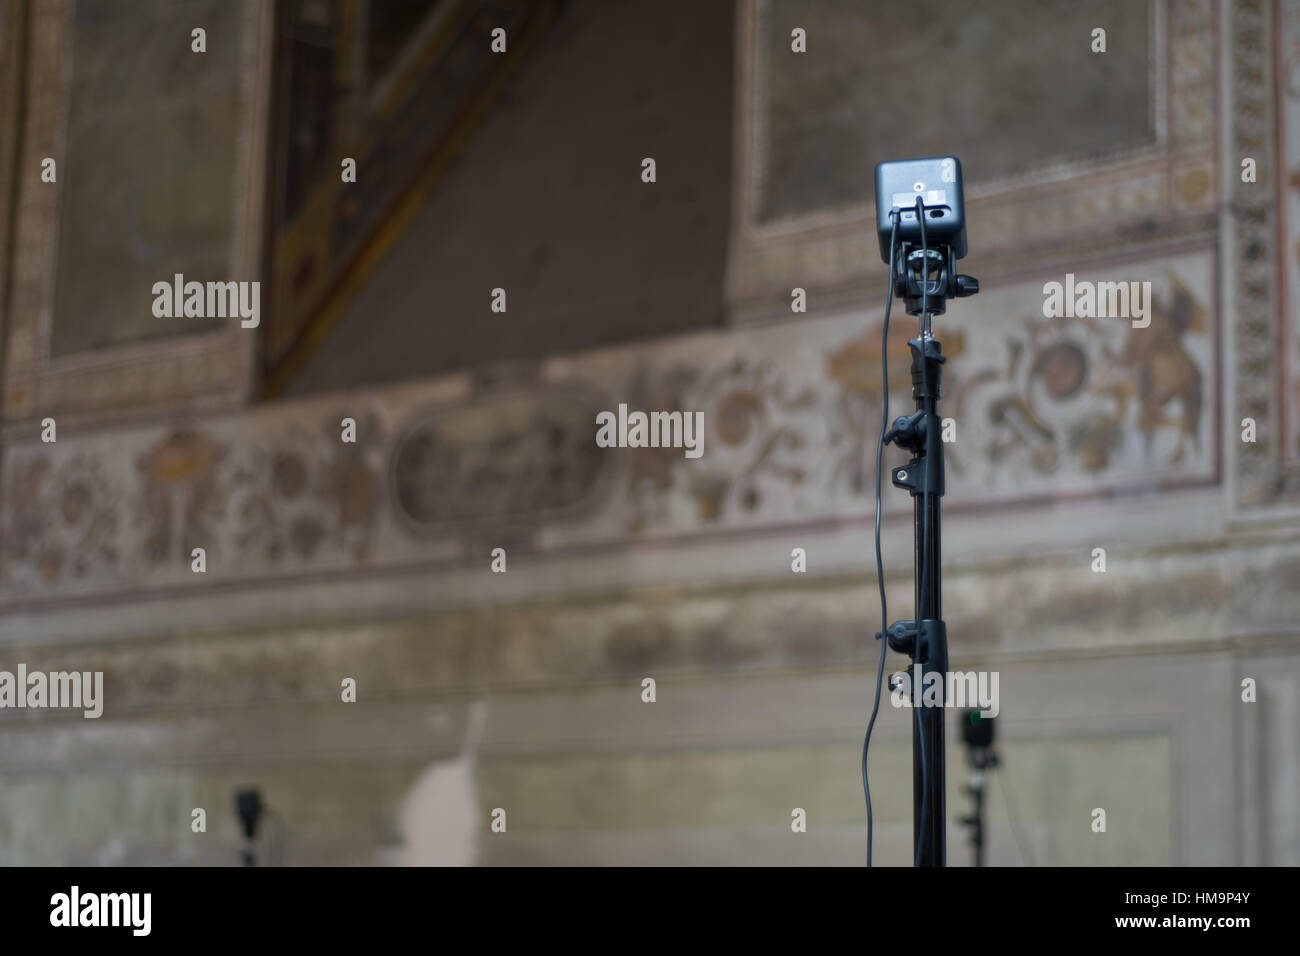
point(922, 641)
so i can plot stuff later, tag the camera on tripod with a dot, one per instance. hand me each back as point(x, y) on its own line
point(928, 240)
point(921, 218)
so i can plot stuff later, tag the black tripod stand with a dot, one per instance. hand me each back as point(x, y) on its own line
point(925, 278)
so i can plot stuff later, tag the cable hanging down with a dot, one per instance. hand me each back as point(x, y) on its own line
point(880, 567)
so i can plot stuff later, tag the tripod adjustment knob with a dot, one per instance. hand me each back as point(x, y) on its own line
point(908, 432)
point(966, 285)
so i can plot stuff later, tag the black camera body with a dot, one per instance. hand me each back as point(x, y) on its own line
point(937, 182)
point(976, 730)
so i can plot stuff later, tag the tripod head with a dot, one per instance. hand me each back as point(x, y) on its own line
point(925, 278)
point(921, 213)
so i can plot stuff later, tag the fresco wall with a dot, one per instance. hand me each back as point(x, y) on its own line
point(328, 559)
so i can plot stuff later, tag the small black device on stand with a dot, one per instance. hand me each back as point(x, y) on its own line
point(921, 223)
point(977, 735)
point(249, 807)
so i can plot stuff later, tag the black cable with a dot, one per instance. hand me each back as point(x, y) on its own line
point(880, 565)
